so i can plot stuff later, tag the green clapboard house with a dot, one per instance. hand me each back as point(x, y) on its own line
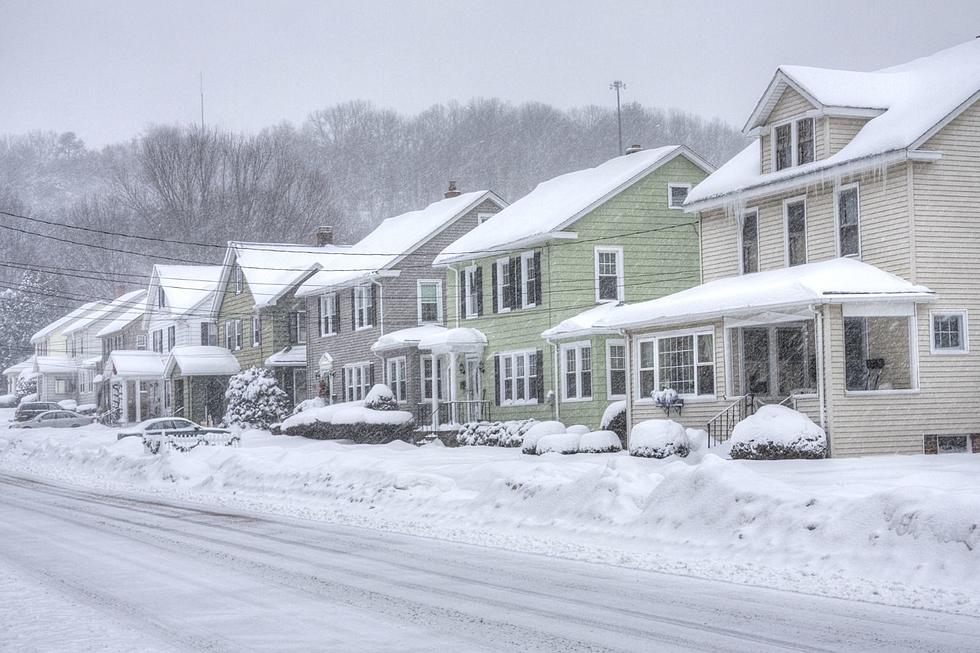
point(533, 279)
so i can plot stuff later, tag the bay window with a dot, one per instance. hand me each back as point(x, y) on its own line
point(683, 362)
point(576, 360)
point(433, 374)
point(396, 378)
point(616, 369)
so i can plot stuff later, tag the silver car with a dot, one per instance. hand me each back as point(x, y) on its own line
point(157, 426)
point(57, 419)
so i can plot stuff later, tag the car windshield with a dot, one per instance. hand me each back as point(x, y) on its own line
point(183, 424)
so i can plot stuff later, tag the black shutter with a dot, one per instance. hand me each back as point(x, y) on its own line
point(493, 290)
point(374, 303)
point(371, 374)
point(496, 380)
point(204, 333)
point(461, 291)
point(515, 282)
point(319, 316)
point(336, 313)
point(353, 310)
point(537, 277)
point(539, 376)
point(478, 282)
point(293, 330)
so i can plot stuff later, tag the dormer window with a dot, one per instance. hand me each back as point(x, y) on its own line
point(161, 297)
point(793, 143)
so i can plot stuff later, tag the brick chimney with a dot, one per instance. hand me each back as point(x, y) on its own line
point(452, 192)
point(323, 235)
point(634, 148)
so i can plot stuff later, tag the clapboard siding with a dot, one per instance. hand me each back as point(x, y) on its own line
point(719, 245)
point(840, 132)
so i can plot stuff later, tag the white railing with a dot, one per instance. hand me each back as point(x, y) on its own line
point(183, 441)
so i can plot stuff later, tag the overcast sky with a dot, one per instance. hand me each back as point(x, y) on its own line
point(107, 69)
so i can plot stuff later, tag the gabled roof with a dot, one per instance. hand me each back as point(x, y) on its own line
point(86, 319)
point(123, 311)
point(838, 281)
point(134, 363)
point(557, 203)
point(184, 286)
point(392, 240)
point(201, 360)
point(272, 269)
point(58, 324)
point(905, 104)
point(17, 368)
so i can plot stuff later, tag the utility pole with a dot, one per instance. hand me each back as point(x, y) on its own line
point(618, 86)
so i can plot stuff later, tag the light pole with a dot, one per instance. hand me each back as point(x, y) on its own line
point(618, 86)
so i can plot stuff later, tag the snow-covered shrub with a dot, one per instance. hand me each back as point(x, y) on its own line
point(25, 387)
point(255, 399)
point(776, 433)
point(309, 404)
point(580, 429)
point(494, 434)
point(614, 419)
point(563, 443)
point(352, 421)
point(529, 444)
point(599, 442)
point(8, 401)
point(380, 397)
point(659, 438)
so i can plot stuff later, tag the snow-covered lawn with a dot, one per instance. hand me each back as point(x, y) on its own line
point(902, 530)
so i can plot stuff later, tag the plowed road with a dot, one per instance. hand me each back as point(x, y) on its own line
point(82, 570)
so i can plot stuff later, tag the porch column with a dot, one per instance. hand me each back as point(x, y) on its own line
point(451, 395)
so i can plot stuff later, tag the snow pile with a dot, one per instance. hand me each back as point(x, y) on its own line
point(255, 399)
point(659, 438)
point(68, 404)
point(495, 434)
point(563, 443)
point(778, 432)
point(529, 443)
point(8, 401)
point(599, 442)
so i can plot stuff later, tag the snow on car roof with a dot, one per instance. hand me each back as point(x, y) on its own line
point(913, 97)
point(124, 310)
point(271, 269)
point(186, 286)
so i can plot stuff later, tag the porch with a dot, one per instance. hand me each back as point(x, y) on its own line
point(133, 387)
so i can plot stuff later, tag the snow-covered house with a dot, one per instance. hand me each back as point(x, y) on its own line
point(16, 372)
point(118, 387)
point(259, 318)
point(839, 260)
point(381, 285)
point(533, 280)
point(60, 349)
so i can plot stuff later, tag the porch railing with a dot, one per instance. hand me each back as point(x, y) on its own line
point(720, 426)
point(452, 413)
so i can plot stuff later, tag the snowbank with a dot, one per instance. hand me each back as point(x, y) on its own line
point(659, 438)
point(778, 432)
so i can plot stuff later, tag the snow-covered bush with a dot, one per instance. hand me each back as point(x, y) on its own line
point(599, 442)
point(563, 443)
point(255, 399)
point(8, 401)
point(25, 387)
point(614, 419)
point(580, 429)
point(659, 438)
point(309, 404)
point(776, 433)
point(494, 434)
point(352, 421)
point(380, 397)
point(529, 443)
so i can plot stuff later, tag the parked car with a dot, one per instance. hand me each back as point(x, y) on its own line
point(58, 419)
point(159, 425)
point(31, 409)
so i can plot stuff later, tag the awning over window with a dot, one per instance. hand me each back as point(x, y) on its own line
point(407, 337)
point(201, 360)
point(461, 340)
point(133, 363)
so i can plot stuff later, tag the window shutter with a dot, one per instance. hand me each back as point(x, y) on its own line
point(478, 281)
point(336, 313)
point(493, 294)
point(515, 282)
point(374, 303)
point(537, 277)
point(353, 309)
point(539, 378)
point(319, 315)
point(461, 291)
point(371, 374)
point(293, 331)
point(204, 333)
point(496, 380)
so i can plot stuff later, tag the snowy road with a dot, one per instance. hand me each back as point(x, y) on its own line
point(80, 570)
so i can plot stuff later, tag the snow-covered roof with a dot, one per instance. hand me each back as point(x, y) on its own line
point(186, 286)
point(908, 102)
point(272, 269)
point(123, 311)
point(17, 368)
point(54, 365)
point(457, 339)
point(409, 337)
point(585, 323)
point(391, 240)
point(293, 356)
point(558, 202)
point(837, 281)
point(134, 363)
point(91, 362)
point(98, 311)
point(201, 360)
point(62, 321)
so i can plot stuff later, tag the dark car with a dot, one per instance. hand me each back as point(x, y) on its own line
point(31, 409)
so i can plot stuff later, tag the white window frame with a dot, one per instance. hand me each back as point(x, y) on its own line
point(964, 332)
point(301, 325)
point(837, 192)
point(609, 345)
point(327, 304)
point(741, 240)
point(362, 307)
point(418, 295)
point(670, 194)
point(806, 239)
point(500, 262)
point(238, 279)
point(526, 354)
point(527, 257)
point(432, 386)
point(483, 216)
point(620, 273)
point(141, 342)
point(470, 301)
point(655, 338)
point(576, 347)
point(794, 141)
point(256, 331)
point(239, 339)
point(396, 376)
point(913, 352)
point(357, 380)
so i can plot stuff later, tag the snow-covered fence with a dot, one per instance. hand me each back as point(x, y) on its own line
point(184, 441)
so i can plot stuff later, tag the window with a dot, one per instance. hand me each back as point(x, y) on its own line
point(783, 139)
point(794, 213)
point(238, 280)
point(576, 359)
point(238, 334)
point(357, 381)
point(609, 283)
point(804, 141)
point(878, 353)
point(793, 143)
point(161, 297)
point(473, 292)
point(328, 314)
point(61, 386)
point(504, 285)
point(230, 335)
point(949, 332)
point(683, 362)
point(171, 337)
point(483, 217)
point(750, 242)
point(529, 276)
point(363, 306)
point(209, 333)
point(396, 378)
point(936, 444)
point(158, 341)
point(429, 301)
point(256, 330)
point(676, 194)
point(616, 369)
point(518, 377)
point(427, 377)
point(297, 327)
point(848, 221)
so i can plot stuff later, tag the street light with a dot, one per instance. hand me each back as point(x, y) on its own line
point(618, 86)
